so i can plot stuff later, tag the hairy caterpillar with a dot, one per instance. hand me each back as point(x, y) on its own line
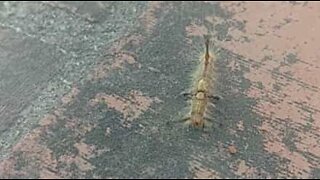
point(202, 90)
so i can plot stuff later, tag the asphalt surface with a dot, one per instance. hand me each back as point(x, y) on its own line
point(93, 90)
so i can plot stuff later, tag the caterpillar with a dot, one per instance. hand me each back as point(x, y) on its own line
point(202, 91)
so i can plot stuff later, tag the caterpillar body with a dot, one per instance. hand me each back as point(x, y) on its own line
point(202, 91)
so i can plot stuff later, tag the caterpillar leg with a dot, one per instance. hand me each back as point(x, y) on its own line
point(187, 95)
point(214, 98)
point(185, 120)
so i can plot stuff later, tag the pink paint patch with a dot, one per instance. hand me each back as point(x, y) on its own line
point(196, 30)
point(289, 96)
point(131, 107)
point(148, 18)
point(68, 98)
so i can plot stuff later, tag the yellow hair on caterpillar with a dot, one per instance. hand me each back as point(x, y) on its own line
point(202, 89)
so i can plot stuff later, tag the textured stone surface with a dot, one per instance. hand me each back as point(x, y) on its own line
point(87, 90)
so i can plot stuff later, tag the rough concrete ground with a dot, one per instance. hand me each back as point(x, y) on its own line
point(87, 89)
